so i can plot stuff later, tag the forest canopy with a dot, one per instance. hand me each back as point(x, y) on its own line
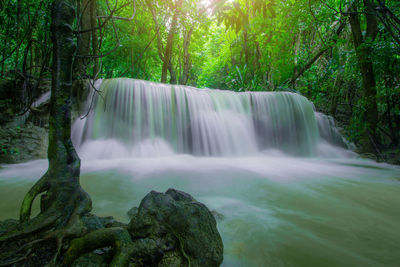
point(343, 55)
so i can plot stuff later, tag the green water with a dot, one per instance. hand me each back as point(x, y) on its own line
point(273, 211)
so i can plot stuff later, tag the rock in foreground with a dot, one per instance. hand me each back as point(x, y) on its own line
point(168, 229)
point(185, 228)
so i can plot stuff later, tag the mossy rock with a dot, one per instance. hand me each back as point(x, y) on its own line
point(90, 260)
point(175, 217)
point(20, 144)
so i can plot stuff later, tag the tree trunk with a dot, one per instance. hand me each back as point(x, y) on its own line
point(245, 46)
point(157, 28)
point(172, 73)
point(245, 36)
point(363, 47)
point(170, 42)
point(64, 201)
point(19, 7)
point(257, 65)
point(84, 38)
point(95, 41)
point(3, 70)
point(186, 57)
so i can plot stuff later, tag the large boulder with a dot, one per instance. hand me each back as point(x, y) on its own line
point(184, 227)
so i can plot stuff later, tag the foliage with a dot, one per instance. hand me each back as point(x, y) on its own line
point(235, 45)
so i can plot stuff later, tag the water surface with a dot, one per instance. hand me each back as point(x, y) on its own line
point(273, 210)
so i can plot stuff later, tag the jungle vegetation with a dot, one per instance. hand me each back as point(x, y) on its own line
point(343, 55)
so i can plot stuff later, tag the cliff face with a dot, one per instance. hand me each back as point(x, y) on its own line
point(23, 143)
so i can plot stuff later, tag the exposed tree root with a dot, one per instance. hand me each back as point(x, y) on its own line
point(26, 207)
point(62, 207)
point(63, 201)
point(149, 239)
point(60, 211)
point(116, 237)
point(25, 229)
point(16, 260)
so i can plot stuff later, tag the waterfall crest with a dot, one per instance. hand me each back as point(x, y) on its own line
point(140, 118)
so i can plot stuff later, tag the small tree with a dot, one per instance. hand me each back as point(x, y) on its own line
point(363, 47)
point(63, 201)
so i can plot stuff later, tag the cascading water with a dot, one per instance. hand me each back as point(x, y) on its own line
point(20, 120)
point(286, 190)
point(140, 118)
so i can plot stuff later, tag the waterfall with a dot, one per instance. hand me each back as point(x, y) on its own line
point(21, 119)
point(140, 118)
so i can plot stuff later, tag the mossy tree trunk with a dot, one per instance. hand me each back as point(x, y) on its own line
point(63, 200)
point(363, 47)
point(83, 38)
point(87, 39)
point(95, 42)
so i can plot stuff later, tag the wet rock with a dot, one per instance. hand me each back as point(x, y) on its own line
point(92, 222)
point(168, 229)
point(217, 215)
point(185, 228)
point(132, 212)
point(11, 95)
point(392, 156)
point(22, 143)
point(394, 161)
point(107, 221)
point(369, 156)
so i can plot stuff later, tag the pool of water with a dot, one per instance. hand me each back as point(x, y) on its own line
point(273, 210)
